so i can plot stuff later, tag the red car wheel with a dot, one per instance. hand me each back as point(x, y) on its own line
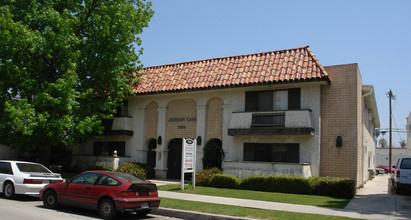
point(107, 209)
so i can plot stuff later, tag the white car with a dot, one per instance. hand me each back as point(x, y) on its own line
point(402, 177)
point(19, 177)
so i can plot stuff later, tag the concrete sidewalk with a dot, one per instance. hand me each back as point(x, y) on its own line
point(377, 201)
point(373, 201)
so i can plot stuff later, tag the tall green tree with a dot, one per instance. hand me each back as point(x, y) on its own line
point(65, 65)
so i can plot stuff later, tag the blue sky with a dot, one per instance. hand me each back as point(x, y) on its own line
point(375, 34)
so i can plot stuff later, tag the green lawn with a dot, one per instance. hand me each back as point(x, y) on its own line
point(323, 201)
point(239, 211)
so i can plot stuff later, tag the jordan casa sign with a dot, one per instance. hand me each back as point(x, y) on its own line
point(182, 121)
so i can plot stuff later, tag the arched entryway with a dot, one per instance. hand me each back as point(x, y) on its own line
point(174, 158)
point(151, 153)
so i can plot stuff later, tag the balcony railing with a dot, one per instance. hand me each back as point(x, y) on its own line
point(268, 120)
point(291, 122)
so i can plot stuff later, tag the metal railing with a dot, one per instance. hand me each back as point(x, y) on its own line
point(268, 120)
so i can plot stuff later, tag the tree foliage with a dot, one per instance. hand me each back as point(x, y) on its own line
point(382, 142)
point(65, 65)
point(213, 154)
point(403, 143)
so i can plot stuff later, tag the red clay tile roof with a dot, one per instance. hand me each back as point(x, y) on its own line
point(282, 66)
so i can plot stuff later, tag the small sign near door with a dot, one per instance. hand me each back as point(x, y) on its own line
point(188, 159)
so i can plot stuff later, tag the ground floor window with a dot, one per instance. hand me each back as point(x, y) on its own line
point(272, 152)
point(107, 148)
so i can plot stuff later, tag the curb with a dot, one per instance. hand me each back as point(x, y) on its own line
point(176, 213)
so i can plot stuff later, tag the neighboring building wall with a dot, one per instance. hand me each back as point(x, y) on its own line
point(341, 116)
point(382, 155)
point(370, 123)
point(361, 175)
point(369, 145)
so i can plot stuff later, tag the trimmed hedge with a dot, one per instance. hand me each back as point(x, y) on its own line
point(333, 186)
point(283, 184)
point(324, 186)
point(224, 181)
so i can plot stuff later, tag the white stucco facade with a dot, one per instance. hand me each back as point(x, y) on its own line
point(234, 116)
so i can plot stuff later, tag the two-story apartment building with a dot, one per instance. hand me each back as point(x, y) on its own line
point(273, 113)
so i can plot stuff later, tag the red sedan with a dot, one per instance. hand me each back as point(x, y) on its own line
point(386, 168)
point(106, 191)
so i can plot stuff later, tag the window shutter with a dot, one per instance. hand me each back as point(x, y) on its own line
point(250, 101)
point(294, 99)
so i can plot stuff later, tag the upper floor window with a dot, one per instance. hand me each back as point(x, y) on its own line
point(272, 100)
point(122, 111)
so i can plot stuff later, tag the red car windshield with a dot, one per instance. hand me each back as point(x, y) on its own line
point(127, 178)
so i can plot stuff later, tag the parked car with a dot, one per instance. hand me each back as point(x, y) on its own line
point(379, 170)
point(19, 177)
point(402, 177)
point(106, 191)
point(385, 168)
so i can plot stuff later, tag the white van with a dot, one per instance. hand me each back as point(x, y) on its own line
point(402, 178)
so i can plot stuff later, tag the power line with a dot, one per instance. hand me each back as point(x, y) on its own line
point(398, 130)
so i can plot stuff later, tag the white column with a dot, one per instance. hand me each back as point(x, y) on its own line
point(226, 140)
point(201, 130)
point(137, 142)
point(162, 151)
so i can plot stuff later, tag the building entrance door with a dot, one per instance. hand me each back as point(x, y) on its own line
point(174, 158)
point(151, 153)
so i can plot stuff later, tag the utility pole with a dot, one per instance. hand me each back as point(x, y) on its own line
point(390, 96)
